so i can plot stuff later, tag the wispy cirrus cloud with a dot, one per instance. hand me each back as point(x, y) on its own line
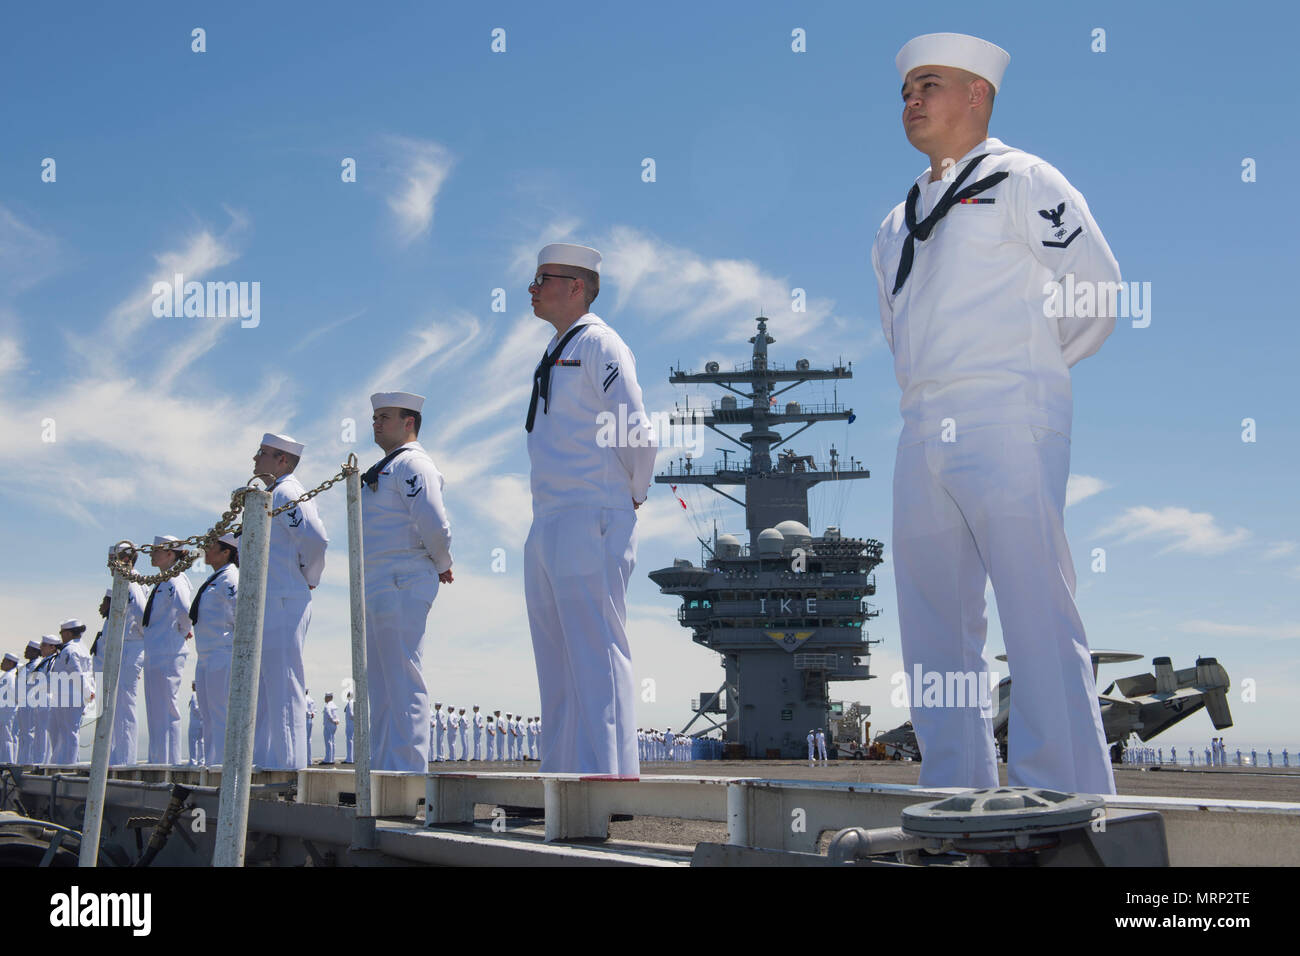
point(425, 166)
point(1080, 487)
point(1192, 532)
point(689, 291)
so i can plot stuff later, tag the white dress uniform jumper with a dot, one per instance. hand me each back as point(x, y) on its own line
point(166, 622)
point(295, 565)
point(73, 680)
point(212, 613)
point(407, 545)
point(963, 271)
point(581, 548)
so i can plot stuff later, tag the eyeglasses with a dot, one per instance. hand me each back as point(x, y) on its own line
point(543, 276)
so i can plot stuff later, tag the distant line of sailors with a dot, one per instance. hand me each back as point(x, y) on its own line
point(655, 746)
point(1215, 755)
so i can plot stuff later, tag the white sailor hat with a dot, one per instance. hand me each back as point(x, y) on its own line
point(108, 592)
point(71, 624)
point(162, 540)
point(283, 443)
point(972, 54)
point(408, 400)
point(229, 539)
point(11, 657)
point(33, 645)
point(50, 639)
point(568, 254)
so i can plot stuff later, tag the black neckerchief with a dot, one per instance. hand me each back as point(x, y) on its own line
point(371, 477)
point(950, 198)
point(194, 605)
point(542, 376)
point(148, 605)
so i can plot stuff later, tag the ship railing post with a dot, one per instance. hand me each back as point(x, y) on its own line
point(245, 665)
point(363, 834)
point(96, 787)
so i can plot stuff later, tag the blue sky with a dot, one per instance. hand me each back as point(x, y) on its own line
point(773, 170)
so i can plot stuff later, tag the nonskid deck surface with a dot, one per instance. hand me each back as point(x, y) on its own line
point(465, 813)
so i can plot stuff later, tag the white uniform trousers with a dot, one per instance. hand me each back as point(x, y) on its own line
point(196, 740)
point(9, 737)
point(491, 746)
point(990, 505)
point(464, 741)
point(162, 691)
point(25, 724)
point(212, 680)
point(123, 750)
point(309, 726)
point(439, 733)
point(451, 743)
point(280, 737)
point(577, 563)
point(350, 741)
point(397, 609)
point(330, 730)
point(65, 731)
point(478, 743)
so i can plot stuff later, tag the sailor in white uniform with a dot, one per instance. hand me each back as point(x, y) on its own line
point(311, 720)
point(965, 269)
point(492, 737)
point(592, 451)
point(349, 711)
point(512, 737)
point(72, 687)
point(123, 749)
point(25, 719)
point(212, 612)
point(330, 727)
point(9, 709)
point(821, 746)
point(294, 568)
point(407, 555)
point(196, 726)
point(453, 731)
point(43, 698)
point(462, 721)
point(439, 725)
point(532, 738)
point(478, 722)
point(166, 626)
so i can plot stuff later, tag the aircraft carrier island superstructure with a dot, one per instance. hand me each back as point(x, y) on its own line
point(787, 611)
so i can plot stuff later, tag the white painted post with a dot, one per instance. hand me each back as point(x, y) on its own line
point(363, 831)
point(246, 662)
point(737, 815)
point(113, 635)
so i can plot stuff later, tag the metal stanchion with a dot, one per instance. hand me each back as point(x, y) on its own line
point(246, 660)
point(114, 633)
point(363, 834)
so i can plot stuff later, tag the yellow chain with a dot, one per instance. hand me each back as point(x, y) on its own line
point(223, 526)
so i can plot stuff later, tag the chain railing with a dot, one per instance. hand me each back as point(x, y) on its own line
point(224, 525)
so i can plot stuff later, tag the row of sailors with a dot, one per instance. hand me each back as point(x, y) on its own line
point(44, 696)
point(506, 738)
point(1215, 755)
point(407, 537)
point(662, 745)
